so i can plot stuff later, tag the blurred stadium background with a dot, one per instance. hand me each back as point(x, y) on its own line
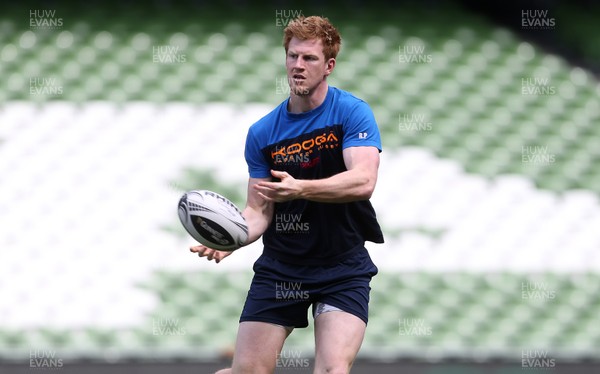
point(488, 191)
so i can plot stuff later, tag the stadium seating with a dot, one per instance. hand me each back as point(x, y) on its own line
point(488, 193)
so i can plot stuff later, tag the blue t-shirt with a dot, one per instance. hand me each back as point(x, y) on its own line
point(309, 146)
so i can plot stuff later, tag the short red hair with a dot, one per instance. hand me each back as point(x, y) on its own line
point(314, 27)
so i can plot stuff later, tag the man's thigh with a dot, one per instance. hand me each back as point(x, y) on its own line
point(257, 347)
point(338, 337)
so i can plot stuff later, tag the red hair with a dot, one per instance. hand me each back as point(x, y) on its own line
point(314, 27)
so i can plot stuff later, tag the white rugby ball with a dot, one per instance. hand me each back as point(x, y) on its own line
point(213, 220)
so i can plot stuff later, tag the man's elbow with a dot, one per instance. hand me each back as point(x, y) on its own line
point(366, 189)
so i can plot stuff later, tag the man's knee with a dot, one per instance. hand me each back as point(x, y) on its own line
point(252, 367)
point(340, 368)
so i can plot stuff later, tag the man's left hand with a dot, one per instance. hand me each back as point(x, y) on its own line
point(288, 188)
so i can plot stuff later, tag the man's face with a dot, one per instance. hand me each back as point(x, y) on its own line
point(306, 65)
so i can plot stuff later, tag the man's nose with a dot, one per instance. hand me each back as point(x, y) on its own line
point(299, 64)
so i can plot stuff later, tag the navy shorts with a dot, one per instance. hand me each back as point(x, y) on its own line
point(281, 292)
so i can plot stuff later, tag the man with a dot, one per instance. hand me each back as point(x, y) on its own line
point(313, 164)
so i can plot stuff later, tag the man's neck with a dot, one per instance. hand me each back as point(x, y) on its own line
point(304, 103)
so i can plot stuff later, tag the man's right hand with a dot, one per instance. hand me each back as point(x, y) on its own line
point(209, 253)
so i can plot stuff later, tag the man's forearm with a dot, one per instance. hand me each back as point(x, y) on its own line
point(258, 220)
point(351, 185)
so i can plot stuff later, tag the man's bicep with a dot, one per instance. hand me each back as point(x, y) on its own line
point(366, 158)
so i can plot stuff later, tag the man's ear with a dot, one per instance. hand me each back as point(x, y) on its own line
point(330, 65)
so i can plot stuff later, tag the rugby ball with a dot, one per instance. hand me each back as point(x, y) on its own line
point(213, 220)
